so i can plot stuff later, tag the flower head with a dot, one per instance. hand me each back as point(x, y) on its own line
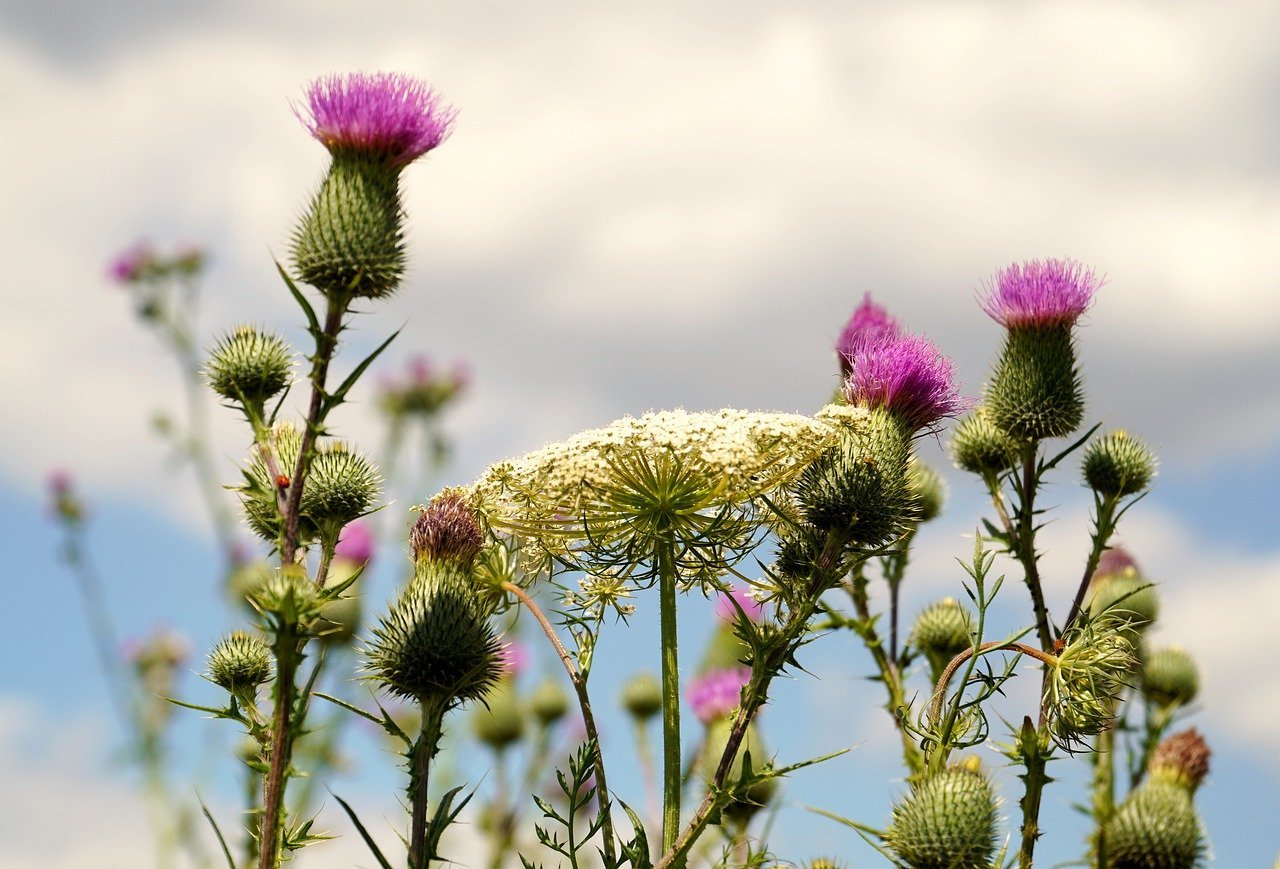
point(132, 264)
point(717, 693)
point(1115, 560)
point(513, 659)
point(869, 322)
point(388, 115)
point(447, 530)
point(726, 610)
point(356, 543)
point(906, 375)
point(1040, 293)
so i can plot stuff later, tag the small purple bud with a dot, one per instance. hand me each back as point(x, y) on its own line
point(447, 530)
point(907, 376)
point(717, 693)
point(869, 322)
point(726, 611)
point(1115, 560)
point(356, 543)
point(131, 264)
point(1040, 293)
point(387, 115)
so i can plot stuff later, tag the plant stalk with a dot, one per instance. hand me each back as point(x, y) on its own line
point(423, 750)
point(671, 790)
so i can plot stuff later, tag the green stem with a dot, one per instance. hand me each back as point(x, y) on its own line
point(644, 754)
point(670, 698)
point(1157, 722)
point(288, 657)
point(419, 781)
point(1104, 525)
point(1034, 755)
point(1026, 542)
point(1104, 795)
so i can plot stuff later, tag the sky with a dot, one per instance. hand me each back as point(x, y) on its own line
point(643, 207)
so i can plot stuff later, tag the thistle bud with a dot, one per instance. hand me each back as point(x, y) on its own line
point(1170, 677)
point(1118, 464)
point(869, 322)
point(760, 793)
point(980, 448)
point(1156, 827)
point(351, 241)
point(942, 631)
point(340, 487)
point(642, 696)
point(549, 703)
point(824, 863)
point(240, 663)
point(1128, 596)
point(499, 723)
point(249, 366)
point(244, 581)
point(435, 643)
point(447, 530)
point(948, 821)
point(927, 488)
point(258, 496)
point(1181, 759)
point(1035, 392)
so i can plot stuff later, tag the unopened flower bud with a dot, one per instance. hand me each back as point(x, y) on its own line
point(1170, 677)
point(249, 366)
point(1118, 464)
point(980, 448)
point(1156, 827)
point(549, 702)
point(447, 530)
point(1128, 596)
point(928, 488)
point(340, 487)
point(1182, 759)
point(942, 631)
point(499, 723)
point(642, 696)
point(240, 663)
point(948, 821)
point(290, 597)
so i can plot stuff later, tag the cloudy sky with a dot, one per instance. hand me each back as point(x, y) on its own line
point(648, 206)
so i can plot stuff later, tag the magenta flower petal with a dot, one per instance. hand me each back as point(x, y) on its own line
point(388, 115)
point(130, 264)
point(514, 658)
point(906, 375)
point(717, 693)
point(726, 611)
point(356, 543)
point(1040, 293)
point(869, 322)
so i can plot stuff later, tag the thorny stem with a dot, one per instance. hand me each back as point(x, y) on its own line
point(1158, 720)
point(287, 651)
point(1104, 525)
point(1104, 794)
point(671, 790)
point(1026, 537)
point(588, 719)
point(1034, 759)
point(423, 750)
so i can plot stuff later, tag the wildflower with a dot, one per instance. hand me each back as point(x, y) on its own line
point(425, 390)
point(1170, 677)
point(132, 264)
point(948, 821)
point(513, 659)
point(356, 543)
point(249, 366)
point(979, 447)
point(746, 602)
point(240, 663)
point(548, 702)
point(1118, 464)
point(66, 505)
point(1040, 294)
point(942, 631)
point(907, 376)
point(1157, 824)
point(642, 696)
point(389, 116)
point(868, 323)
point(1085, 682)
point(717, 693)
point(447, 530)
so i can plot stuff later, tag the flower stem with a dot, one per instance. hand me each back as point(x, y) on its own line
point(288, 657)
point(1104, 796)
point(940, 690)
point(419, 780)
point(671, 790)
point(1026, 543)
point(1034, 754)
point(1104, 526)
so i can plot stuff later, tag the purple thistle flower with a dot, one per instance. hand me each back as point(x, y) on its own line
point(1114, 560)
point(907, 376)
point(869, 322)
point(1040, 293)
point(726, 611)
point(717, 693)
point(447, 529)
point(513, 658)
point(389, 115)
point(131, 263)
point(356, 543)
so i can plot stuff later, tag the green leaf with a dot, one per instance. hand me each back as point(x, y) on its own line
point(313, 323)
point(339, 395)
point(226, 852)
point(364, 834)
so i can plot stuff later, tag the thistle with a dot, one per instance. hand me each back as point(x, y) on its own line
point(942, 631)
point(981, 448)
point(351, 241)
point(447, 530)
point(249, 367)
point(1170, 677)
point(548, 703)
point(868, 323)
point(1035, 392)
point(927, 488)
point(499, 722)
point(947, 821)
point(1157, 826)
point(240, 663)
point(642, 696)
point(716, 694)
point(908, 377)
point(1118, 464)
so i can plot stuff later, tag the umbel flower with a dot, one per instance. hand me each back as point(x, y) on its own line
point(869, 322)
point(350, 242)
point(1036, 392)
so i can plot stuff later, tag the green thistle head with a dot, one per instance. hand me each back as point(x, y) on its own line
point(499, 722)
point(549, 702)
point(240, 663)
point(978, 447)
point(642, 696)
point(1155, 828)
point(258, 495)
point(447, 530)
point(340, 488)
point(1126, 596)
point(942, 631)
point(1084, 686)
point(928, 488)
point(1170, 677)
point(760, 793)
point(948, 821)
point(1035, 392)
point(289, 597)
point(435, 644)
point(249, 367)
point(1118, 464)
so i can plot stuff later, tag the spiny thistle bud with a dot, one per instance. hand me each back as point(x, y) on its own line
point(907, 376)
point(1035, 392)
point(928, 488)
point(717, 739)
point(948, 821)
point(642, 696)
point(245, 580)
point(351, 241)
point(249, 366)
point(240, 663)
point(1156, 827)
point(549, 702)
point(1084, 686)
point(860, 485)
point(447, 530)
point(1170, 677)
point(435, 643)
point(1118, 464)
point(498, 723)
point(868, 323)
point(290, 596)
point(824, 863)
point(1181, 759)
point(942, 631)
point(1128, 596)
point(340, 488)
point(259, 494)
point(980, 448)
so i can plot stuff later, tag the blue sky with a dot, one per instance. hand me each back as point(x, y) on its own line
point(649, 207)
